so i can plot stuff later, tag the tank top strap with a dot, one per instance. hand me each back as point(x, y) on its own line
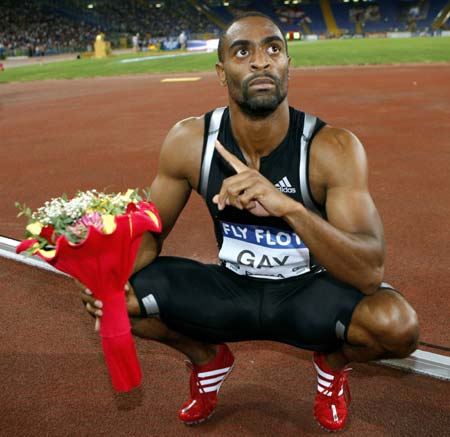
point(213, 132)
point(309, 129)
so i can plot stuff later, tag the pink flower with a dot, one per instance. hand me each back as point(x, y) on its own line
point(90, 219)
point(78, 229)
point(93, 219)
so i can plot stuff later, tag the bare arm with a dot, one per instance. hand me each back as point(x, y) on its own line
point(178, 169)
point(350, 245)
point(178, 172)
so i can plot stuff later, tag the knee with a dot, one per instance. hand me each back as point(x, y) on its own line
point(132, 303)
point(398, 326)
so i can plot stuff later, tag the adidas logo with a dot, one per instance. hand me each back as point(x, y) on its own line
point(285, 186)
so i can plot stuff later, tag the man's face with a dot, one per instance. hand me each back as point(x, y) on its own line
point(255, 66)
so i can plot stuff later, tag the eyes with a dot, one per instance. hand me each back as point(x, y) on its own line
point(243, 52)
point(274, 49)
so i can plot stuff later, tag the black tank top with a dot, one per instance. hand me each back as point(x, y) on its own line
point(264, 247)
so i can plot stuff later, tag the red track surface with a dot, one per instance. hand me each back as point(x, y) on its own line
point(60, 136)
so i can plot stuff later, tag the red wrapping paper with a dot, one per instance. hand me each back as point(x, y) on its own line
point(104, 262)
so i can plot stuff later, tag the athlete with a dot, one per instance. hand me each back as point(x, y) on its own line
point(301, 243)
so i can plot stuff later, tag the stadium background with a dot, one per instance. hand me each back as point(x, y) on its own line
point(59, 136)
point(37, 27)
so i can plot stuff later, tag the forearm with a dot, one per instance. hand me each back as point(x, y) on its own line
point(354, 258)
point(149, 249)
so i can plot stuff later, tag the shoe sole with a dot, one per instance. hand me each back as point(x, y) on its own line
point(197, 422)
point(328, 429)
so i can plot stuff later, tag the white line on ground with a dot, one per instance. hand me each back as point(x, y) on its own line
point(425, 363)
point(421, 362)
point(152, 58)
point(8, 250)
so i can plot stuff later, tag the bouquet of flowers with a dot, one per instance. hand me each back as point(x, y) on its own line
point(94, 237)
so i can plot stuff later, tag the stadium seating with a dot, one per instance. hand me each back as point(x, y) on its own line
point(48, 26)
point(35, 27)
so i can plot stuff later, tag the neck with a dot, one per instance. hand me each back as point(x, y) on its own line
point(257, 137)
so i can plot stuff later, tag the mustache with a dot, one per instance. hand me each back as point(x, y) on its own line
point(260, 76)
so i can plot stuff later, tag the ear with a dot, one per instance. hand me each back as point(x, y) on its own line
point(221, 73)
point(289, 67)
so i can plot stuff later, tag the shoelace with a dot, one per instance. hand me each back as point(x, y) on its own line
point(335, 387)
point(197, 387)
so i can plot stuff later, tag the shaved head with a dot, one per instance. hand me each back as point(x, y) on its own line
point(220, 49)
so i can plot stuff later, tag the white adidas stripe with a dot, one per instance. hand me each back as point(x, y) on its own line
point(211, 380)
point(323, 383)
point(322, 373)
point(211, 388)
point(327, 393)
point(283, 183)
point(213, 372)
point(286, 181)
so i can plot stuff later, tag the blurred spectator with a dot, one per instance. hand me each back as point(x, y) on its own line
point(135, 42)
point(182, 38)
point(68, 25)
point(292, 15)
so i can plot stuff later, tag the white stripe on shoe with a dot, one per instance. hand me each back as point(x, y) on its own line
point(211, 388)
point(335, 414)
point(212, 380)
point(213, 372)
point(323, 383)
point(189, 406)
point(323, 374)
point(326, 392)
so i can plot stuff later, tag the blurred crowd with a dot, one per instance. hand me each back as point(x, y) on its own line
point(38, 27)
point(27, 28)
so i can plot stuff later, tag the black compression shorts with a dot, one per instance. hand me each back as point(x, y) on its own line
point(212, 304)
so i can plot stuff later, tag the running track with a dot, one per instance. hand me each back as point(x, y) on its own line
point(60, 136)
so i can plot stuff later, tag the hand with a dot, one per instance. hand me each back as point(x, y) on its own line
point(94, 306)
point(249, 190)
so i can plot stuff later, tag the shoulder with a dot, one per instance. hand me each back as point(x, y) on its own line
point(185, 131)
point(182, 149)
point(332, 142)
point(337, 158)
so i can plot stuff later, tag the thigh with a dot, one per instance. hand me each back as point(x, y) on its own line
point(314, 314)
point(201, 301)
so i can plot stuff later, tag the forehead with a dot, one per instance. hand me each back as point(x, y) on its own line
point(251, 29)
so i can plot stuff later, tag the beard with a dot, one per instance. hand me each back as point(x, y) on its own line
point(263, 103)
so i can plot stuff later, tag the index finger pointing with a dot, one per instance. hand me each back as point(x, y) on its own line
point(233, 160)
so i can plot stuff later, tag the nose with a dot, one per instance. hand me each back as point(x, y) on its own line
point(260, 60)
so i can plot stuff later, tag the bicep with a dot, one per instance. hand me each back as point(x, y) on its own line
point(352, 210)
point(349, 205)
point(179, 162)
point(169, 194)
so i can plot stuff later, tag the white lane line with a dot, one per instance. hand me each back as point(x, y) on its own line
point(423, 362)
point(152, 58)
point(8, 250)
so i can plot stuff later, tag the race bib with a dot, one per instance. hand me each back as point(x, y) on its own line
point(263, 252)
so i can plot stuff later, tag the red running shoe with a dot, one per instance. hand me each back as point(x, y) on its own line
point(205, 383)
point(333, 395)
